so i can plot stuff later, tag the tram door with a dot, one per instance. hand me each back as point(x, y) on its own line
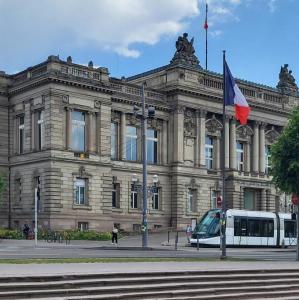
point(240, 231)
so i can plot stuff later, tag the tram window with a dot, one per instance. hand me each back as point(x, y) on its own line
point(253, 227)
point(267, 228)
point(289, 228)
point(240, 226)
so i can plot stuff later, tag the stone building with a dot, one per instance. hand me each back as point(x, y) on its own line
point(69, 129)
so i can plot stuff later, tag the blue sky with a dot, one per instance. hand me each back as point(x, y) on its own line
point(133, 36)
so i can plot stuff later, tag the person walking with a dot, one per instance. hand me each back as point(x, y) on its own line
point(189, 232)
point(114, 235)
point(26, 230)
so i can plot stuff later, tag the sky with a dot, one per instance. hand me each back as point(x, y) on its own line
point(133, 36)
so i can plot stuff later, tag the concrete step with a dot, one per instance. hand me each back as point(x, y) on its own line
point(232, 279)
point(153, 290)
point(212, 294)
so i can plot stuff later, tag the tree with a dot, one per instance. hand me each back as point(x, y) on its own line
point(285, 157)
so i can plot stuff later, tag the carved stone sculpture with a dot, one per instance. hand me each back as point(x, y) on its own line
point(185, 52)
point(286, 82)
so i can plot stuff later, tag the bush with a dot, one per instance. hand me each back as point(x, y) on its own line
point(65, 234)
point(11, 234)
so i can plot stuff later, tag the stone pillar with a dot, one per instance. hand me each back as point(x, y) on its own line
point(178, 149)
point(255, 156)
point(164, 149)
point(197, 139)
point(217, 153)
point(226, 146)
point(90, 132)
point(262, 149)
point(233, 146)
point(247, 157)
point(123, 136)
point(34, 133)
point(68, 127)
point(202, 126)
point(263, 200)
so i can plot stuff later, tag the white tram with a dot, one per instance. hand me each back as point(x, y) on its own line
point(246, 228)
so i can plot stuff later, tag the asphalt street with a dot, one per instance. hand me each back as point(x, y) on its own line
point(159, 246)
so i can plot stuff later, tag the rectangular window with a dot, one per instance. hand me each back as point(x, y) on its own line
point(209, 152)
point(115, 195)
point(249, 200)
point(240, 226)
point(290, 229)
point(152, 146)
point(267, 159)
point(114, 140)
point(83, 226)
point(21, 134)
point(131, 143)
point(191, 200)
point(155, 199)
point(253, 227)
point(80, 191)
point(213, 199)
point(18, 189)
point(78, 131)
point(240, 156)
point(40, 130)
point(134, 197)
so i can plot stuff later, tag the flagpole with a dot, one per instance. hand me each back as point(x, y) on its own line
point(206, 28)
point(223, 205)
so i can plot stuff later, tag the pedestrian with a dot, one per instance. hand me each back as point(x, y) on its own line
point(189, 232)
point(114, 235)
point(26, 230)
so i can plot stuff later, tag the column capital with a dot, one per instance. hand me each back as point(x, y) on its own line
point(200, 113)
point(179, 109)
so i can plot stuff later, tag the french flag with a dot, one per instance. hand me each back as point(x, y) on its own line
point(233, 96)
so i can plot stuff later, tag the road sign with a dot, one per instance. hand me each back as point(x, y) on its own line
point(295, 199)
point(219, 201)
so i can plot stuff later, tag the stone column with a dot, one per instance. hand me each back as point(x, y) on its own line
point(247, 158)
point(90, 132)
point(164, 149)
point(263, 200)
point(202, 143)
point(34, 130)
point(68, 128)
point(178, 122)
point(233, 146)
point(226, 146)
point(197, 139)
point(262, 149)
point(217, 153)
point(123, 136)
point(255, 156)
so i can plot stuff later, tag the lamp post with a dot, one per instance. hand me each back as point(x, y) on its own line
point(145, 192)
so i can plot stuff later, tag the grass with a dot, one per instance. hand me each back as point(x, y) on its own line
point(110, 260)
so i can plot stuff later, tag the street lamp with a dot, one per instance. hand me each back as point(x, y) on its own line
point(155, 179)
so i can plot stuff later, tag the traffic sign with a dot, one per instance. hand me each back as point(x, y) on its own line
point(219, 201)
point(295, 199)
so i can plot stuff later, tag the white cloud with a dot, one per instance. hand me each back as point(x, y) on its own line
point(272, 5)
point(216, 33)
point(41, 26)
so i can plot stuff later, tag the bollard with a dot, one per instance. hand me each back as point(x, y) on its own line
point(176, 241)
point(197, 242)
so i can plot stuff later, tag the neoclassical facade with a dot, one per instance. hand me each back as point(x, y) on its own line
point(70, 130)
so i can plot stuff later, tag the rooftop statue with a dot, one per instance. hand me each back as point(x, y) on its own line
point(185, 51)
point(286, 80)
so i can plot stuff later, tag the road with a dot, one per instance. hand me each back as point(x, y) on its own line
point(131, 247)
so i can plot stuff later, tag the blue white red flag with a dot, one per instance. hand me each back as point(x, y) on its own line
point(233, 96)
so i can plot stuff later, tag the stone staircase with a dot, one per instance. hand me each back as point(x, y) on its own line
point(234, 284)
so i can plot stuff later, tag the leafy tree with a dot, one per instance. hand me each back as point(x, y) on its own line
point(285, 157)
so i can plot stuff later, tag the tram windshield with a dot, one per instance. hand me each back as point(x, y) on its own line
point(209, 225)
